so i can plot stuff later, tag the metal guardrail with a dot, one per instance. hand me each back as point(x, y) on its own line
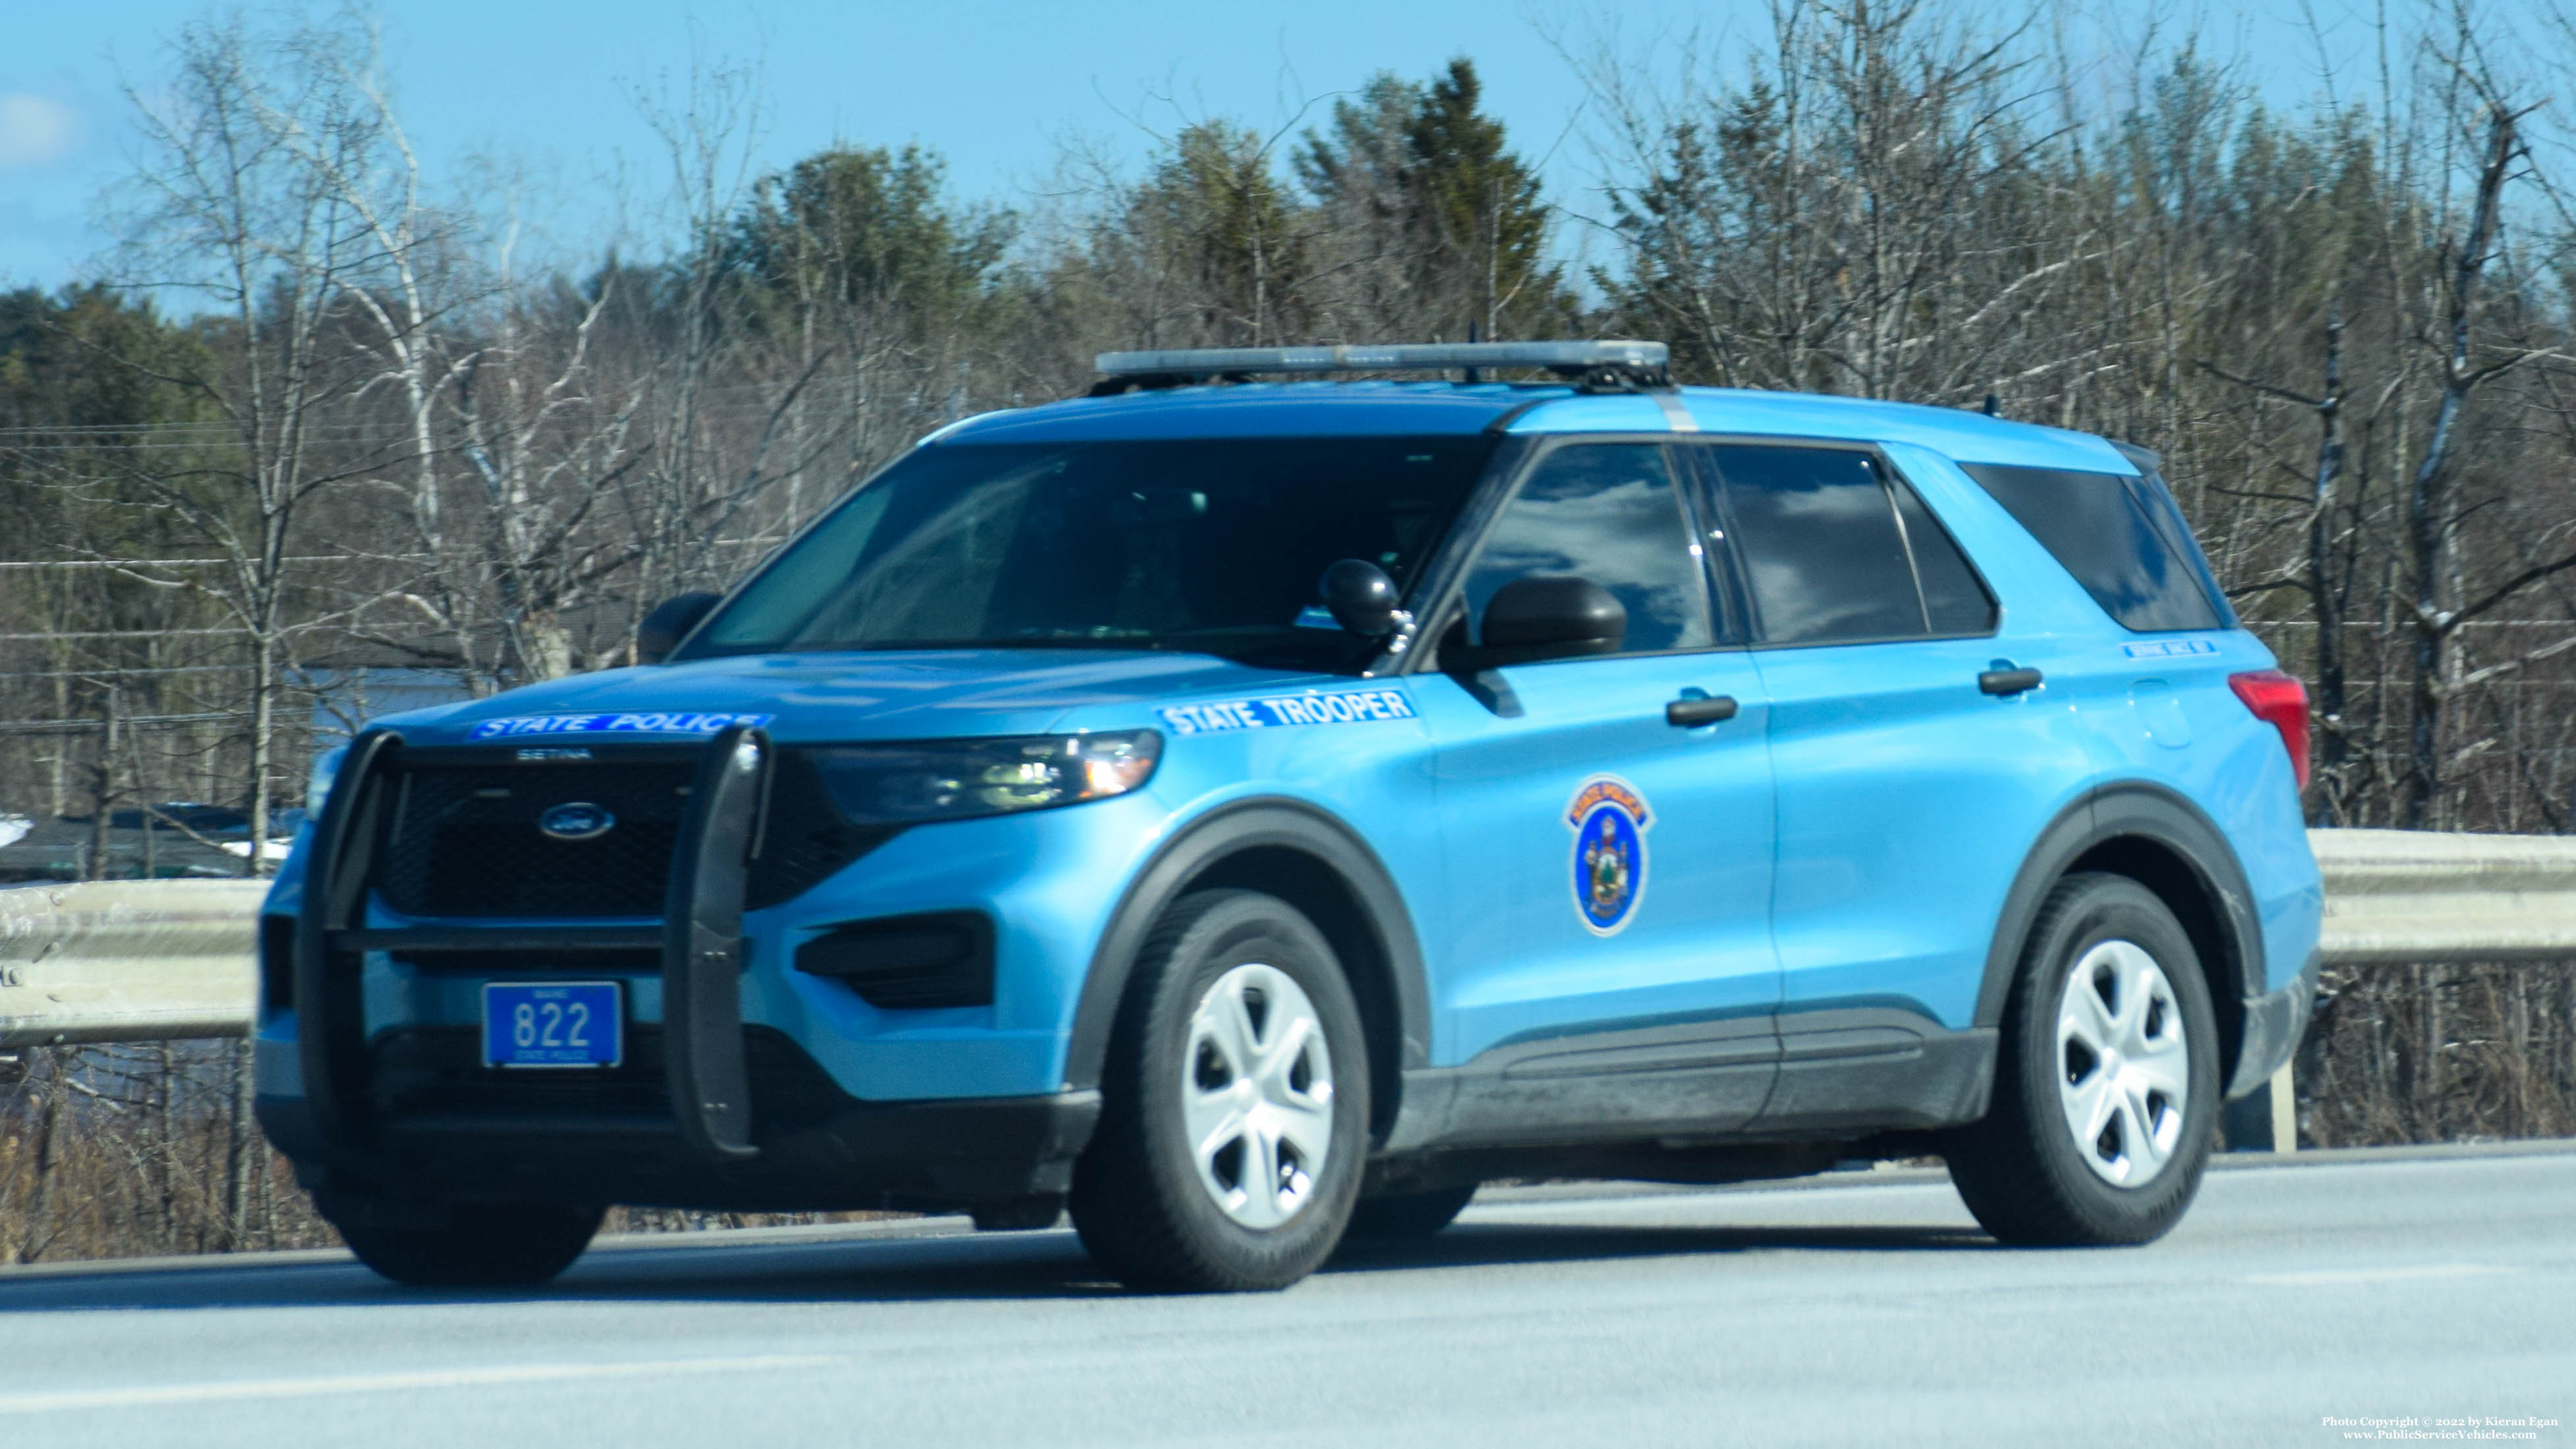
point(2417, 897)
point(2424, 898)
point(158, 960)
point(106, 961)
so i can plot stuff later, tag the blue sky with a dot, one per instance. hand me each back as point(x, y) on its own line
point(546, 85)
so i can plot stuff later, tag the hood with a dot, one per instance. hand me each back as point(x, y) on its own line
point(813, 698)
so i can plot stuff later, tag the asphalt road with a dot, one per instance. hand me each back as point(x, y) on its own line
point(1854, 1312)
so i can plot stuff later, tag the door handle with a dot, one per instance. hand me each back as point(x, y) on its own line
point(2008, 681)
point(1692, 710)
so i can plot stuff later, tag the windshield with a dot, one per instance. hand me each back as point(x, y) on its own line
point(1208, 545)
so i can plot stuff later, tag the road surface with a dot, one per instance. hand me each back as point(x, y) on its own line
point(1864, 1309)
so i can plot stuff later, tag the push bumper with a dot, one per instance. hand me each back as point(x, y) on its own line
point(707, 1112)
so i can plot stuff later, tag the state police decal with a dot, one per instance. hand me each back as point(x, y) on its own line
point(1610, 820)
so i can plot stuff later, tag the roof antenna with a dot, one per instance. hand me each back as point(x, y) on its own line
point(1993, 408)
point(1475, 375)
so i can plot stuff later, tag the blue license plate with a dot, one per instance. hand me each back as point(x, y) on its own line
point(552, 1024)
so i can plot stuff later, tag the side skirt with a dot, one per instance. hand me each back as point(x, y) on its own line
point(1702, 1102)
point(1692, 1077)
point(1874, 1069)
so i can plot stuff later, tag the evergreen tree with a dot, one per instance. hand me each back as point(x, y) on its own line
point(1445, 224)
point(868, 231)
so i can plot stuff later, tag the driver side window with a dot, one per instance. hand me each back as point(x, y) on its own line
point(1608, 512)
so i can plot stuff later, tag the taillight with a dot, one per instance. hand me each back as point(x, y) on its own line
point(2280, 701)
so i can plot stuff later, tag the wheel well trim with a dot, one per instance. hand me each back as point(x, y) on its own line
point(2165, 821)
point(1229, 832)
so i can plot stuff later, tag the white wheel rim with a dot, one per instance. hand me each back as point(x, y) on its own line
point(1257, 1095)
point(2123, 1063)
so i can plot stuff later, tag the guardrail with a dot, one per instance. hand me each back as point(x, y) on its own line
point(157, 960)
point(2417, 897)
point(2424, 898)
point(106, 961)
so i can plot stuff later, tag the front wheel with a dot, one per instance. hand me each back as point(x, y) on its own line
point(472, 1245)
point(1234, 1104)
point(2106, 1085)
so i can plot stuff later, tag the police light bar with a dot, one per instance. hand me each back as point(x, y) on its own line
point(1572, 358)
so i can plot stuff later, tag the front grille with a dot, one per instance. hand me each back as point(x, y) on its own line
point(464, 840)
point(462, 837)
point(439, 1069)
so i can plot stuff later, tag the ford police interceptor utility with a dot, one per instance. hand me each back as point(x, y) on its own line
point(1249, 813)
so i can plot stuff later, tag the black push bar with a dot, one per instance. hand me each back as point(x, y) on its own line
point(700, 938)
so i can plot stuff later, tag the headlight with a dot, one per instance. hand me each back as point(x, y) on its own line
point(956, 779)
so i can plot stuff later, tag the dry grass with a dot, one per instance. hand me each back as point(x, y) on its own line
point(122, 1152)
point(125, 1151)
point(2440, 1054)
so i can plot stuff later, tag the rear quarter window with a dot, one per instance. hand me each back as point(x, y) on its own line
point(2119, 536)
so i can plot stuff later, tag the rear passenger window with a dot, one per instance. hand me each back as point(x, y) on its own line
point(2123, 544)
point(1823, 535)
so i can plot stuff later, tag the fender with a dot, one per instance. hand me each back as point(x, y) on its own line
point(2136, 810)
point(1256, 824)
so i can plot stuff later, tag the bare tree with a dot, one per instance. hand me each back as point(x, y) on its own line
point(253, 198)
point(1855, 216)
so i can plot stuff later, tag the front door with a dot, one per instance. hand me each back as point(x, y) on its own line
point(1607, 943)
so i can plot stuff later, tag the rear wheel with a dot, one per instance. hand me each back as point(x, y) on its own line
point(477, 1245)
point(1410, 1214)
point(2106, 1087)
point(1234, 1104)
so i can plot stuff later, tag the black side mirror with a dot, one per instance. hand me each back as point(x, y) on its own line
point(1536, 618)
point(668, 624)
point(1361, 597)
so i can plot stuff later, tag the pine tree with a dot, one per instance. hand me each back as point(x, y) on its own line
point(1441, 226)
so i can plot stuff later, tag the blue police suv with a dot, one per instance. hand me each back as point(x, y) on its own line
point(1253, 812)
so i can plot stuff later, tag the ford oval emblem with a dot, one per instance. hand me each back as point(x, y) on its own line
point(576, 820)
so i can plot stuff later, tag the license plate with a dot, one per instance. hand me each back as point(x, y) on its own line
point(552, 1024)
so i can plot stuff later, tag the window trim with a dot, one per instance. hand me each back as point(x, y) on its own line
point(1443, 580)
point(1890, 478)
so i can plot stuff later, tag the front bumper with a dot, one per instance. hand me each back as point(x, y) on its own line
point(709, 1111)
point(2274, 1022)
point(857, 1155)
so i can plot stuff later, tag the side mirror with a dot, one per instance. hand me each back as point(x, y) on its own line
point(1361, 597)
point(1536, 618)
point(668, 624)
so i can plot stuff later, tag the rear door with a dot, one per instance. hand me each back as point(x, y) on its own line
point(1609, 870)
point(1908, 795)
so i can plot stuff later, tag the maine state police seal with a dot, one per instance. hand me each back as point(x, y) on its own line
point(1610, 820)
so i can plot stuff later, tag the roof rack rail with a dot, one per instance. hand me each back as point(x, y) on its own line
point(1613, 366)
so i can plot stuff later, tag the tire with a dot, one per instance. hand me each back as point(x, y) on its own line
point(1151, 1209)
point(2104, 1052)
point(471, 1246)
point(1410, 1214)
